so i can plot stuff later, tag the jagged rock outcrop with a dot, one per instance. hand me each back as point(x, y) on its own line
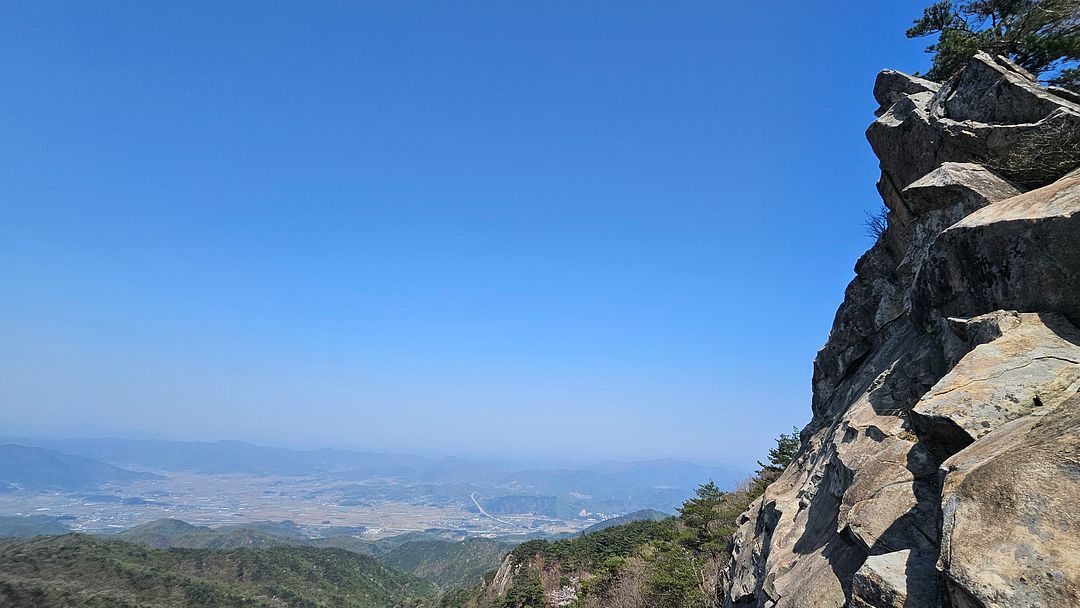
point(991, 113)
point(942, 463)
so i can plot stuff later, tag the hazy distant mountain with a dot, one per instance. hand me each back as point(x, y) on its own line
point(589, 490)
point(667, 473)
point(41, 469)
point(608, 487)
point(649, 514)
point(241, 457)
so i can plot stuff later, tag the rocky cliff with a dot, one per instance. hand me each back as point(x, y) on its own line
point(942, 463)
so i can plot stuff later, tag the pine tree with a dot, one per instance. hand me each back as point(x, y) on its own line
point(1041, 36)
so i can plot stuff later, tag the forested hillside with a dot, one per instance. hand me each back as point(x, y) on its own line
point(84, 571)
point(447, 564)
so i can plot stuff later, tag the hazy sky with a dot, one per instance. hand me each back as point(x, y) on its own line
point(596, 229)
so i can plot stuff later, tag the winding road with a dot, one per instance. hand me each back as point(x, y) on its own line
point(483, 512)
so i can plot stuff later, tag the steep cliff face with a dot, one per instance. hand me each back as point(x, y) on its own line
point(942, 463)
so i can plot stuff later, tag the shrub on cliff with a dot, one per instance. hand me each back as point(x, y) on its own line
point(526, 592)
point(1041, 36)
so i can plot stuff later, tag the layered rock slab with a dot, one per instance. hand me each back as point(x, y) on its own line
point(1034, 365)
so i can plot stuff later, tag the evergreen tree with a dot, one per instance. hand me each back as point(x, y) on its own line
point(787, 446)
point(1041, 36)
point(699, 514)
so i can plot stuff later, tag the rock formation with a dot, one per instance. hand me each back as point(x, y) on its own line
point(942, 463)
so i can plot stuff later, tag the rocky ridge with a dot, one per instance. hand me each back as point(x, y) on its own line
point(942, 463)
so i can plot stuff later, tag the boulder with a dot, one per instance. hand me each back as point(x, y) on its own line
point(1034, 365)
point(909, 141)
point(901, 579)
point(995, 91)
point(938, 200)
point(970, 185)
point(890, 86)
point(1011, 528)
point(965, 334)
point(1017, 254)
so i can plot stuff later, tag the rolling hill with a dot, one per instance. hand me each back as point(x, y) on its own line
point(173, 533)
point(448, 564)
point(177, 534)
point(75, 571)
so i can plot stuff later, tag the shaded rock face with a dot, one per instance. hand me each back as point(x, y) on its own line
point(884, 579)
point(940, 468)
point(1021, 254)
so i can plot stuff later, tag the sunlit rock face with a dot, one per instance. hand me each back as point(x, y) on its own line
point(942, 463)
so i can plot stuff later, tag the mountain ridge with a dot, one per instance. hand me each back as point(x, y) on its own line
point(39, 469)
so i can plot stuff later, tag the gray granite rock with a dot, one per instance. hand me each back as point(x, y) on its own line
point(958, 329)
point(901, 579)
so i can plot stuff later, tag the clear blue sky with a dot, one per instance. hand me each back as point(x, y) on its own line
point(596, 229)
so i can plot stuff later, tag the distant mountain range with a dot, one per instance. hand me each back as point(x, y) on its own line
point(241, 457)
point(34, 468)
point(666, 473)
point(357, 478)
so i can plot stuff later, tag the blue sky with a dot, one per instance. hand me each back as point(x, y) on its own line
point(602, 229)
